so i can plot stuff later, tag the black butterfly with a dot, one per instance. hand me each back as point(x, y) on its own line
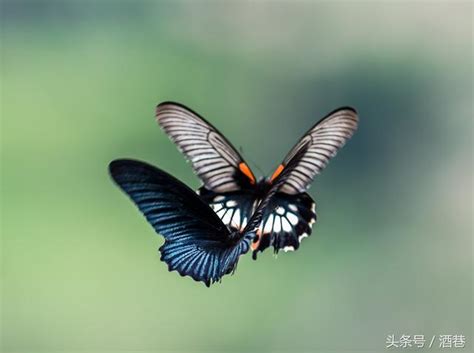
point(231, 188)
point(197, 242)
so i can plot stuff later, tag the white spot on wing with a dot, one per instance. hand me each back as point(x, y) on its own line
point(292, 218)
point(302, 236)
point(244, 222)
point(280, 210)
point(219, 198)
point(268, 225)
point(293, 208)
point(288, 248)
point(277, 225)
point(220, 214)
point(236, 218)
point(231, 203)
point(216, 206)
point(286, 225)
point(227, 217)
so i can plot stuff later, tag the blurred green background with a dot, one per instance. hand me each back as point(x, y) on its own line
point(392, 250)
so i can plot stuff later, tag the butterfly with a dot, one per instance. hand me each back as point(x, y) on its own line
point(197, 243)
point(231, 188)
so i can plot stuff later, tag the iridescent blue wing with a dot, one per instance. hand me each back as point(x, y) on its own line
point(197, 243)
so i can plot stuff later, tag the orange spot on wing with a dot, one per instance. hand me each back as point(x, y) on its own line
point(277, 172)
point(247, 172)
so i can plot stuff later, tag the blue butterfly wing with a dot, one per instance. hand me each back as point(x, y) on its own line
point(197, 243)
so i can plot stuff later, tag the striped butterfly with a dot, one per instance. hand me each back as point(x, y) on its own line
point(230, 187)
point(197, 243)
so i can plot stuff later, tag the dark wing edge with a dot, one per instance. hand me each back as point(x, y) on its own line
point(213, 158)
point(314, 150)
point(197, 243)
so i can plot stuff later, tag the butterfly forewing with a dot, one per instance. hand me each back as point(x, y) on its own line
point(314, 150)
point(213, 158)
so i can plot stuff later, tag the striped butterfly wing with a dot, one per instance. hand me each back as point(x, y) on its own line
point(212, 156)
point(197, 243)
point(314, 150)
point(293, 212)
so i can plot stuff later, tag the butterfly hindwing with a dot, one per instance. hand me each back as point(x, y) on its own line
point(197, 243)
point(234, 208)
point(286, 222)
point(212, 156)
